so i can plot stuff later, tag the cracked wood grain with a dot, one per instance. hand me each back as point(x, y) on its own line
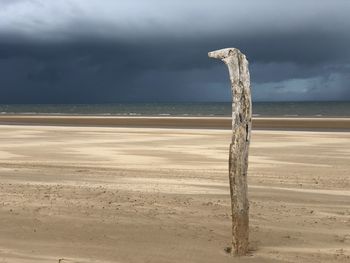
point(239, 148)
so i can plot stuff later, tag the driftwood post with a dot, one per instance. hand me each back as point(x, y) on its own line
point(238, 161)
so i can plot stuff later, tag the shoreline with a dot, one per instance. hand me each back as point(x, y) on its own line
point(274, 123)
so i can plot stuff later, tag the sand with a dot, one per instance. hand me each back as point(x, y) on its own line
point(330, 124)
point(98, 194)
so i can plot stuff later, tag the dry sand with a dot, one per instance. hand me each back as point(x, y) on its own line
point(96, 194)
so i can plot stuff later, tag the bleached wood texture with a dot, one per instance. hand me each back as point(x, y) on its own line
point(239, 148)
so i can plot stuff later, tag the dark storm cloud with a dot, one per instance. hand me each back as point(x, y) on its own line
point(108, 51)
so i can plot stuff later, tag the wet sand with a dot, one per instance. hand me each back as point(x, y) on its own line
point(178, 122)
point(99, 194)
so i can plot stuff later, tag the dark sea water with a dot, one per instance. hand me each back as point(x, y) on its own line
point(263, 109)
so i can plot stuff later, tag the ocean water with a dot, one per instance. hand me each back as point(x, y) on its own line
point(263, 109)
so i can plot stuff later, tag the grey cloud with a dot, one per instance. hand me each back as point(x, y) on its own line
point(120, 20)
point(329, 88)
point(105, 51)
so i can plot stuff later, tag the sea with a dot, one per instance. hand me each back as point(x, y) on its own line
point(219, 109)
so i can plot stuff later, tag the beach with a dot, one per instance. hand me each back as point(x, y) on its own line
point(92, 189)
point(310, 123)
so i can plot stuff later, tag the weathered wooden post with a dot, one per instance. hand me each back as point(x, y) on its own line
point(238, 160)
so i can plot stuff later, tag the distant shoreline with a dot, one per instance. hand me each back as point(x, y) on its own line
point(217, 109)
point(131, 115)
point(290, 123)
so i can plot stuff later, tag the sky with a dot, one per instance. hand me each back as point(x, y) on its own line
point(108, 51)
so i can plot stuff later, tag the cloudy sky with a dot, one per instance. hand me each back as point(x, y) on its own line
point(103, 51)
